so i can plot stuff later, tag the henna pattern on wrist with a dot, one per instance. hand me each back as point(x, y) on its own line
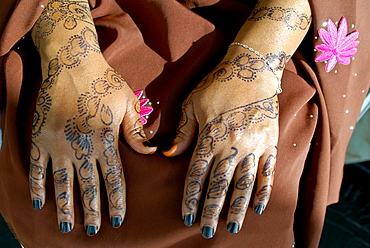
point(291, 17)
point(65, 11)
point(245, 67)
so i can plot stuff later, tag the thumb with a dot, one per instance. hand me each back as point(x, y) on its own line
point(133, 130)
point(185, 132)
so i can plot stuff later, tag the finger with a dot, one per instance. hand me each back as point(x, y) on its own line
point(112, 171)
point(63, 185)
point(89, 185)
point(221, 176)
point(197, 173)
point(244, 179)
point(186, 131)
point(133, 129)
point(38, 163)
point(265, 179)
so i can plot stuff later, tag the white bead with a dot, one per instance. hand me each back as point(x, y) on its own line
point(294, 144)
point(344, 95)
point(311, 116)
point(325, 62)
point(158, 102)
point(353, 26)
point(336, 23)
point(315, 50)
point(353, 58)
point(295, 114)
point(309, 143)
point(363, 91)
point(336, 71)
point(42, 6)
point(150, 131)
point(347, 111)
point(316, 37)
point(324, 24)
point(351, 127)
point(150, 103)
point(355, 74)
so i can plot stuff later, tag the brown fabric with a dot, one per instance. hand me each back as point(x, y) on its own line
point(164, 47)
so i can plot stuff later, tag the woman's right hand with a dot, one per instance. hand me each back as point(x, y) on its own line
point(81, 105)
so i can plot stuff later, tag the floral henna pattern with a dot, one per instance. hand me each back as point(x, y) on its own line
point(65, 11)
point(291, 17)
point(244, 67)
point(235, 120)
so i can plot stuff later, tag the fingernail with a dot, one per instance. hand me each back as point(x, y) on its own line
point(207, 232)
point(91, 230)
point(36, 203)
point(233, 227)
point(188, 219)
point(166, 149)
point(116, 221)
point(258, 209)
point(65, 226)
point(148, 144)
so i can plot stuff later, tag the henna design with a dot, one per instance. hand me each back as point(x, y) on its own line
point(244, 67)
point(192, 189)
point(291, 17)
point(197, 170)
point(211, 211)
point(224, 167)
point(69, 57)
point(68, 12)
point(245, 182)
point(89, 195)
point(218, 189)
point(85, 171)
point(234, 120)
point(63, 201)
point(264, 193)
point(239, 205)
point(248, 163)
point(60, 176)
point(269, 168)
point(36, 173)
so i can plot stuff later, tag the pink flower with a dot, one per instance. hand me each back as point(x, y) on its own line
point(338, 46)
point(144, 110)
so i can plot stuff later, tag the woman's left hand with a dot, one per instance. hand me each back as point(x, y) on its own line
point(235, 109)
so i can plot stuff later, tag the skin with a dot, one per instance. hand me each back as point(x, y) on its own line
point(238, 135)
point(82, 105)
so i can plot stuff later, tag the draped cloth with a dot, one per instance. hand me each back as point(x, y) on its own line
point(166, 47)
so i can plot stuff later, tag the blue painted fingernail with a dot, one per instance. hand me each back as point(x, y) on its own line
point(36, 203)
point(116, 221)
point(91, 230)
point(207, 232)
point(188, 219)
point(65, 226)
point(258, 209)
point(233, 227)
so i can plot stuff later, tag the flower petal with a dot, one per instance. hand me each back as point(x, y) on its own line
point(325, 37)
point(349, 40)
point(138, 93)
point(348, 53)
point(145, 110)
point(143, 120)
point(324, 56)
point(331, 63)
point(343, 60)
point(323, 48)
point(342, 30)
point(143, 101)
point(332, 31)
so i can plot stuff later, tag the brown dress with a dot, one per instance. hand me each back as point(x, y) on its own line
point(166, 47)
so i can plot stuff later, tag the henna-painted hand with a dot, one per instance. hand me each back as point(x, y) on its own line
point(82, 104)
point(235, 109)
